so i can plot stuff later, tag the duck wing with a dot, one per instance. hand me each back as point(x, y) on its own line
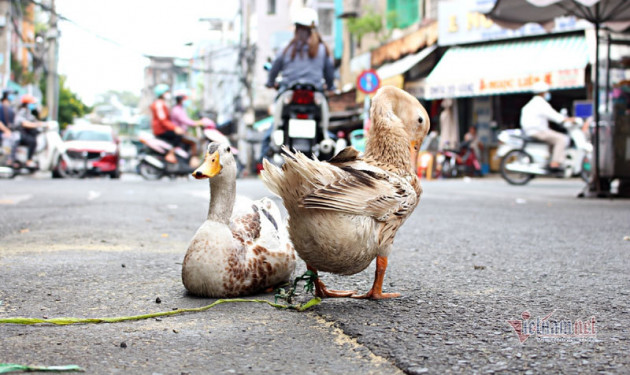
point(362, 189)
point(346, 184)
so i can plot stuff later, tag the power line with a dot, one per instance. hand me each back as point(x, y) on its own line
point(99, 36)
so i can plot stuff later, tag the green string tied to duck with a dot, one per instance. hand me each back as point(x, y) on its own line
point(308, 276)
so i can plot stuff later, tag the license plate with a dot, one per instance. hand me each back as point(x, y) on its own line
point(302, 128)
point(302, 145)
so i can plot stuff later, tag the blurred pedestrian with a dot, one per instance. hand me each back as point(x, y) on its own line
point(535, 117)
point(28, 126)
point(472, 141)
point(180, 118)
point(449, 130)
point(163, 127)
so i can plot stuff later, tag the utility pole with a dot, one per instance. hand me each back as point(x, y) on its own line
point(5, 42)
point(247, 57)
point(52, 80)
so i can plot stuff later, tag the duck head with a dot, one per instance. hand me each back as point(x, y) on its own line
point(393, 107)
point(218, 161)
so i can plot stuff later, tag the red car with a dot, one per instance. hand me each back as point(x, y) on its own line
point(90, 150)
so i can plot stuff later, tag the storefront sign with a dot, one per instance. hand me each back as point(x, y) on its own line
point(462, 21)
point(560, 79)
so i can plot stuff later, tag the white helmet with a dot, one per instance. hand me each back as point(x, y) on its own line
point(305, 17)
point(540, 87)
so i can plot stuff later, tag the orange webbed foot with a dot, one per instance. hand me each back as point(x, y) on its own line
point(373, 295)
point(322, 292)
point(377, 288)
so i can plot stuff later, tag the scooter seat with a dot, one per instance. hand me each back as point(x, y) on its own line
point(529, 139)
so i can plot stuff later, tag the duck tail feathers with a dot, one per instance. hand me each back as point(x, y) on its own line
point(272, 177)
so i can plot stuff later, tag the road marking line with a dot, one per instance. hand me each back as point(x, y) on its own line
point(14, 199)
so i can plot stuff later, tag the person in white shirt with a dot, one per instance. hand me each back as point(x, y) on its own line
point(535, 117)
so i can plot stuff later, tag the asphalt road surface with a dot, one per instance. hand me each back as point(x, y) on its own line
point(475, 255)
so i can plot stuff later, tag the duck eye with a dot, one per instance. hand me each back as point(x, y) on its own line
point(420, 119)
point(228, 149)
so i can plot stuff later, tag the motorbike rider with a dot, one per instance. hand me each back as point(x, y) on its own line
point(307, 59)
point(7, 118)
point(535, 117)
point(161, 124)
point(28, 126)
point(180, 118)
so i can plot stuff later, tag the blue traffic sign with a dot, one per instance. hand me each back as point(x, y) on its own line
point(368, 81)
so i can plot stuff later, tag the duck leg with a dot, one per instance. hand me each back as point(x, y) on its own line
point(377, 288)
point(321, 291)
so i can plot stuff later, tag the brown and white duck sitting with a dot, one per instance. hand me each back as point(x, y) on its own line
point(243, 247)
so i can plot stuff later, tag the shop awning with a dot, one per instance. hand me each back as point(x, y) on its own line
point(509, 67)
point(404, 64)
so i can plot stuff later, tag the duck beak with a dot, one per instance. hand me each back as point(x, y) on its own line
point(211, 167)
point(413, 151)
point(415, 145)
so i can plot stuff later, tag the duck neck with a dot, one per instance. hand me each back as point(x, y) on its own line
point(222, 195)
point(389, 145)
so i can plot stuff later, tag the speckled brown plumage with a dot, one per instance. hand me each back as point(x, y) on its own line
point(240, 249)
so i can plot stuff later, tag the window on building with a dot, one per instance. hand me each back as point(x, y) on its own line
point(326, 21)
point(271, 6)
point(402, 13)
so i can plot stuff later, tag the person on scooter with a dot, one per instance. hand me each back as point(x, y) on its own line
point(161, 124)
point(306, 58)
point(7, 124)
point(28, 126)
point(180, 118)
point(535, 117)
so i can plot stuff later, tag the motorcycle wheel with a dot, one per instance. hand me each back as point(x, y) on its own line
point(149, 172)
point(63, 171)
point(515, 178)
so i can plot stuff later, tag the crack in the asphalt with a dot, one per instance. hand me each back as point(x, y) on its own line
point(342, 339)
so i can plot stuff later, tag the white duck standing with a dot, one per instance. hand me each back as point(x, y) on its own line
point(243, 247)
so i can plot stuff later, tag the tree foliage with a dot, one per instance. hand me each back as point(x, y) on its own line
point(70, 105)
point(371, 22)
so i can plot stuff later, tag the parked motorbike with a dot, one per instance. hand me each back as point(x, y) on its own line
point(50, 155)
point(152, 164)
point(459, 162)
point(523, 157)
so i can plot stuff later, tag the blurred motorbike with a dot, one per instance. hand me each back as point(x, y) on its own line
point(301, 127)
point(459, 162)
point(523, 157)
point(50, 155)
point(152, 164)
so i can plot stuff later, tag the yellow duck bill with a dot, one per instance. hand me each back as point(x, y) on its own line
point(211, 167)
